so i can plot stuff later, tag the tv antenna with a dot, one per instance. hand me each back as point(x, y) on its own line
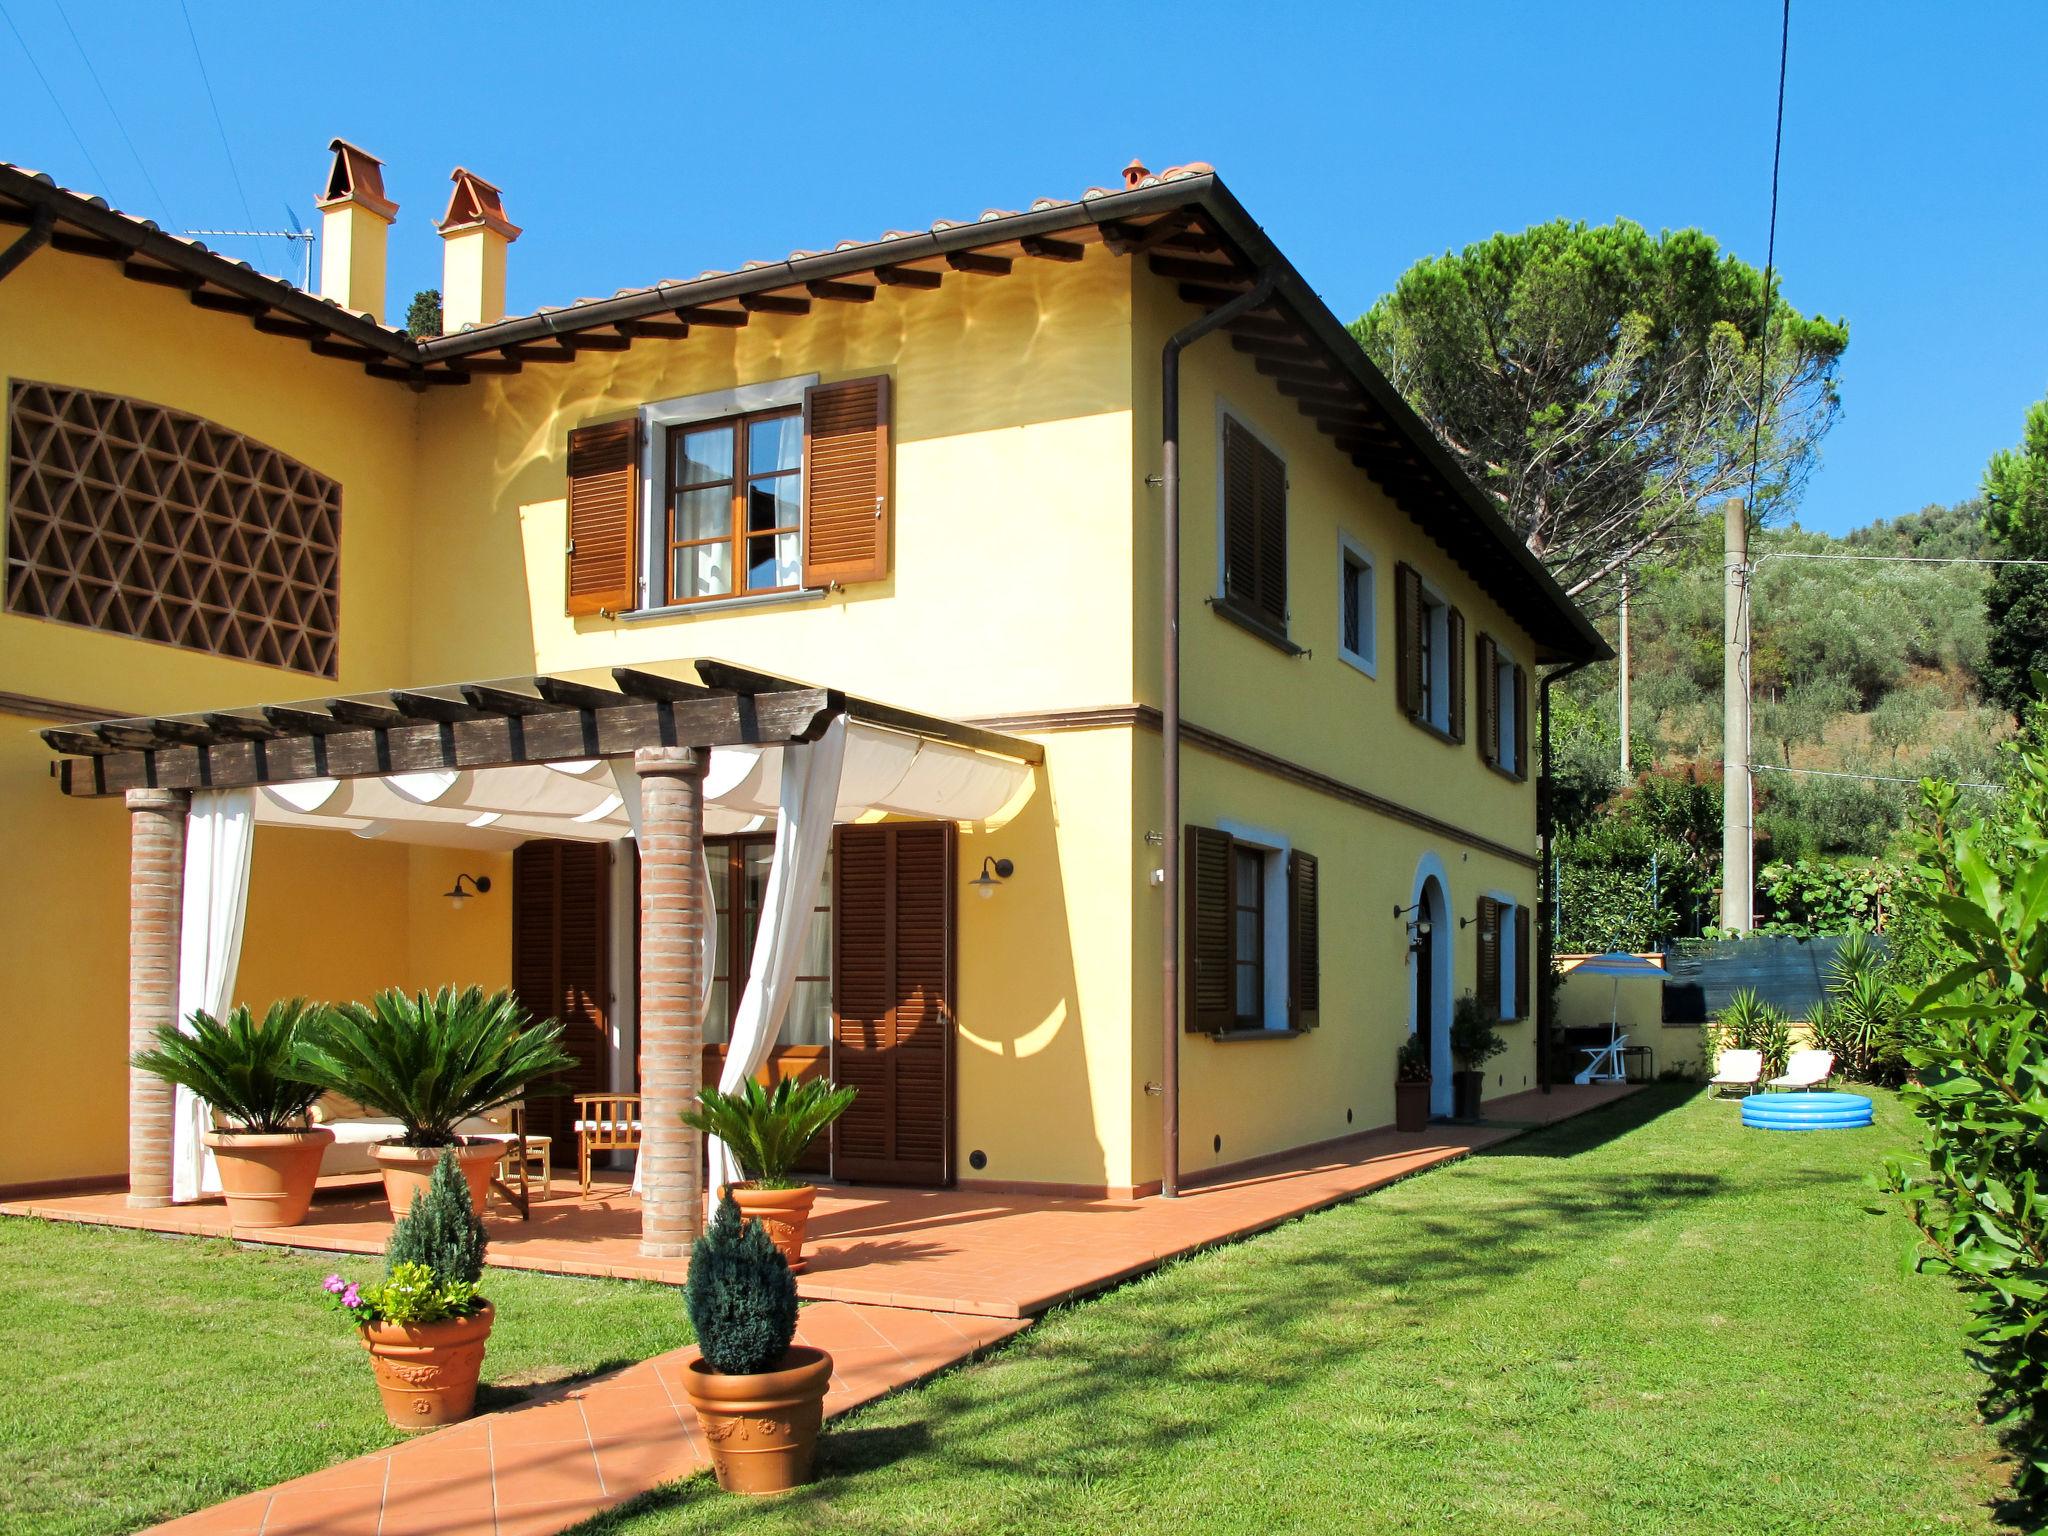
point(298, 232)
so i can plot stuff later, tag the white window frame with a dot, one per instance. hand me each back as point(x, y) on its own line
point(1274, 850)
point(1504, 711)
point(1353, 555)
point(659, 418)
point(1436, 679)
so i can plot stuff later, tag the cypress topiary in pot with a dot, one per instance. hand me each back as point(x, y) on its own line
point(759, 1397)
point(435, 1062)
point(769, 1130)
point(248, 1074)
point(1474, 1042)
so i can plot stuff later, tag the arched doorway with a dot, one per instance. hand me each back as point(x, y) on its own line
point(1429, 962)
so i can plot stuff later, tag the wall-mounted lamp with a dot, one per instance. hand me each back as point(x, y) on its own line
point(1418, 925)
point(479, 885)
point(994, 872)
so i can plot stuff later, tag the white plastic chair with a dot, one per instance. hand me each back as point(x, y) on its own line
point(1738, 1069)
point(1806, 1069)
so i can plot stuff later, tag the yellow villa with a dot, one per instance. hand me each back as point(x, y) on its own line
point(832, 591)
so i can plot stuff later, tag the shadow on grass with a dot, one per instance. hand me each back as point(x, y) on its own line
point(1207, 1344)
point(1597, 1127)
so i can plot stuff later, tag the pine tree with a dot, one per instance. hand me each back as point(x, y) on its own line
point(442, 1230)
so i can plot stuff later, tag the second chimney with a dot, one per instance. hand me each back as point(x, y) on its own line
point(475, 233)
point(355, 219)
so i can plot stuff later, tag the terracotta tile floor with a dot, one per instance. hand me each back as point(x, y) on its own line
point(545, 1465)
point(904, 1284)
point(986, 1255)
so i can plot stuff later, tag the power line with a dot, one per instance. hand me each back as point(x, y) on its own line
point(1763, 366)
point(162, 202)
point(219, 125)
point(98, 175)
point(1874, 778)
point(1803, 554)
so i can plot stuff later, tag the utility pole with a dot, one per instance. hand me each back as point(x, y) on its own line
point(1737, 893)
point(1625, 770)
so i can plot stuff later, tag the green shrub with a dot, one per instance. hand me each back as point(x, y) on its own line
point(249, 1073)
point(442, 1230)
point(1748, 1023)
point(1411, 1062)
point(770, 1129)
point(1980, 1056)
point(741, 1295)
point(432, 1061)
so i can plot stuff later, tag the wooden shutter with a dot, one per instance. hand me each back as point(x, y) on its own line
point(846, 481)
point(1304, 943)
point(1454, 668)
point(1408, 621)
point(1254, 525)
point(1521, 724)
point(604, 517)
point(892, 1027)
point(1488, 985)
point(1488, 666)
point(561, 969)
point(1525, 962)
point(1209, 985)
point(1271, 601)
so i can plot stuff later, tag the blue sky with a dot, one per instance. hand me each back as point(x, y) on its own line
point(643, 141)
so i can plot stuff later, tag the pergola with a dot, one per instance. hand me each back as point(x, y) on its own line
point(668, 728)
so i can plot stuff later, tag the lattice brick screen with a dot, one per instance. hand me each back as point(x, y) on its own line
point(140, 520)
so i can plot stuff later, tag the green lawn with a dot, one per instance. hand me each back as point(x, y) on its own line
point(146, 1376)
point(1647, 1320)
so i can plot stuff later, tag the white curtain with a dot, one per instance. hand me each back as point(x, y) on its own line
point(803, 836)
point(220, 833)
point(627, 780)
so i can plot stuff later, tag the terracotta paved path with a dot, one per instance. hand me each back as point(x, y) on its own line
point(904, 1284)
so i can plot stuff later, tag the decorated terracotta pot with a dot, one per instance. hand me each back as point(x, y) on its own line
point(427, 1372)
point(784, 1212)
point(762, 1429)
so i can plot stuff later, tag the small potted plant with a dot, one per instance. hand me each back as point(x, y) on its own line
point(759, 1397)
point(1474, 1042)
point(432, 1063)
point(268, 1156)
point(1411, 1084)
point(769, 1130)
point(425, 1324)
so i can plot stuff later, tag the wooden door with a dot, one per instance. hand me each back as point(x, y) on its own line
point(892, 1032)
point(561, 969)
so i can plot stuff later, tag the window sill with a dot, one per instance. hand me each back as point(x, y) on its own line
point(1256, 625)
point(722, 605)
point(1237, 1036)
point(1509, 774)
point(1430, 728)
point(1363, 664)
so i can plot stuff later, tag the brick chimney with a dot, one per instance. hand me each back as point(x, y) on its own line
point(355, 220)
point(476, 232)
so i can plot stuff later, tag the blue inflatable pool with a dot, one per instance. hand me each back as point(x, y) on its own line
point(1805, 1111)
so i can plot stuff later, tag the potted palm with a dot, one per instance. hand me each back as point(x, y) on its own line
point(769, 1130)
point(425, 1324)
point(268, 1156)
point(1474, 1042)
point(432, 1062)
point(759, 1396)
point(1411, 1084)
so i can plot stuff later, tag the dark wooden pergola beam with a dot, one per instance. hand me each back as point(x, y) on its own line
point(726, 674)
point(486, 699)
point(652, 685)
point(561, 690)
point(246, 727)
point(364, 713)
point(295, 720)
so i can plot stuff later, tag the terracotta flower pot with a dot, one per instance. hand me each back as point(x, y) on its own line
point(1466, 1088)
point(409, 1170)
point(1411, 1106)
point(784, 1212)
point(762, 1429)
point(427, 1373)
point(268, 1179)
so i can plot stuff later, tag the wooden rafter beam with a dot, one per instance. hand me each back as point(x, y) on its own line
point(415, 705)
point(243, 727)
point(845, 293)
point(162, 277)
point(1215, 272)
point(1046, 249)
point(366, 715)
point(652, 685)
point(486, 699)
point(227, 303)
point(693, 314)
point(293, 719)
point(979, 262)
point(602, 341)
point(908, 277)
point(561, 690)
point(349, 350)
point(662, 330)
point(280, 325)
point(537, 352)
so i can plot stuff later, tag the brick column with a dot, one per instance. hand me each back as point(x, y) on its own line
point(672, 923)
point(156, 894)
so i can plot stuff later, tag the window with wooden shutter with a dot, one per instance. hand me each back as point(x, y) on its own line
point(1521, 698)
point(1488, 984)
point(1454, 658)
point(1408, 639)
point(1525, 961)
point(561, 969)
point(1210, 983)
point(846, 482)
point(1304, 942)
point(604, 517)
point(1487, 669)
point(1254, 528)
